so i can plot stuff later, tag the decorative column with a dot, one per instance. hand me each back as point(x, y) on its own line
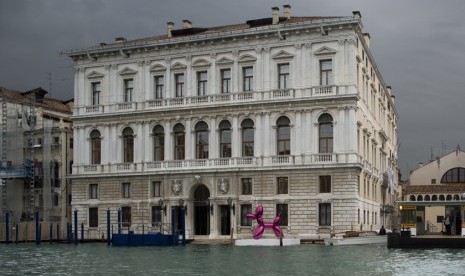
point(258, 71)
point(82, 88)
point(211, 76)
point(235, 73)
point(266, 135)
point(296, 134)
point(258, 134)
point(189, 140)
point(213, 144)
point(352, 65)
point(296, 73)
point(189, 84)
point(168, 83)
point(140, 91)
point(235, 143)
point(169, 148)
point(266, 70)
point(106, 144)
point(115, 92)
point(147, 149)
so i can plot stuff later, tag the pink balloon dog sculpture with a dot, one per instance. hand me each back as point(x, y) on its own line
point(257, 234)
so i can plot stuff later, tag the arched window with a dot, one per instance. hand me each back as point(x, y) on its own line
point(456, 197)
point(420, 198)
point(158, 143)
point(412, 198)
point(434, 198)
point(449, 197)
point(128, 145)
point(455, 175)
point(96, 146)
point(247, 127)
point(179, 141)
point(201, 135)
point(284, 135)
point(442, 197)
point(225, 139)
point(325, 133)
point(427, 198)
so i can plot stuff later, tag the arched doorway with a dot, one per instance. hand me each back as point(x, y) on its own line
point(201, 210)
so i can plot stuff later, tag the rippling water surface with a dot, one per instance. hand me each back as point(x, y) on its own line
point(98, 259)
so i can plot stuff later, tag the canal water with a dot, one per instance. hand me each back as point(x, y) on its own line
point(99, 259)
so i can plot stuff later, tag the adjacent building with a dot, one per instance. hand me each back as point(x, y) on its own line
point(286, 112)
point(37, 154)
point(435, 190)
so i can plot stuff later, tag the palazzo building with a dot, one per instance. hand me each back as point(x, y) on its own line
point(290, 113)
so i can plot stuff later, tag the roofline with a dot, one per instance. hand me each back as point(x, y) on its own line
point(134, 44)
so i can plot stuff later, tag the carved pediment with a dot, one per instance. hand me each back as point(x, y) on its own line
point(157, 67)
point(224, 60)
point(201, 63)
point(282, 55)
point(247, 58)
point(127, 71)
point(178, 65)
point(325, 50)
point(94, 75)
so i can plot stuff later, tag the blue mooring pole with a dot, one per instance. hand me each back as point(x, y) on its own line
point(17, 231)
point(82, 232)
point(75, 227)
point(51, 233)
point(7, 226)
point(172, 225)
point(119, 221)
point(108, 226)
point(58, 232)
point(37, 229)
point(183, 226)
point(68, 238)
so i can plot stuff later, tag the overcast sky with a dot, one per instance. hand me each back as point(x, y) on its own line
point(419, 47)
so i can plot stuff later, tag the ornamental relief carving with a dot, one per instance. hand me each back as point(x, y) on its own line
point(176, 187)
point(223, 185)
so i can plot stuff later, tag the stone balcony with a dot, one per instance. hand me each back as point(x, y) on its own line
point(278, 95)
point(281, 161)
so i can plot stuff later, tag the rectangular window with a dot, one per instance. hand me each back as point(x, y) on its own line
point(126, 190)
point(71, 143)
point(433, 180)
point(247, 73)
point(96, 93)
point(246, 186)
point(283, 76)
point(325, 183)
point(202, 83)
point(159, 86)
point(282, 185)
point(179, 85)
point(93, 191)
point(282, 212)
point(225, 81)
point(156, 216)
point(326, 73)
point(128, 89)
point(246, 209)
point(93, 217)
point(126, 216)
point(55, 200)
point(156, 188)
point(324, 214)
point(179, 145)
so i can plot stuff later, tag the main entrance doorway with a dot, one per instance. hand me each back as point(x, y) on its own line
point(225, 220)
point(201, 211)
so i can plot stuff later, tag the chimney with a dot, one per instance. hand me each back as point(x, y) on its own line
point(120, 39)
point(170, 27)
point(367, 37)
point(275, 15)
point(420, 165)
point(357, 14)
point(186, 24)
point(287, 11)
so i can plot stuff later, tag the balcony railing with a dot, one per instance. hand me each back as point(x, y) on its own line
point(241, 97)
point(222, 163)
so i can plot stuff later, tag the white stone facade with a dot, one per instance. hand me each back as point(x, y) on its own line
point(305, 90)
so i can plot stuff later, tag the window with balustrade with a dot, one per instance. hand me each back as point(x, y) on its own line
point(282, 184)
point(96, 88)
point(225, 80)
point(128, 145)
point(95, 147)
point(325, 183)
point(93, 191)
point(179, 85)
point(126, 190)
point(325, 133)
point(201, 135)
point(158, 143)
point(247, 78)
point(225, 139)
point(159, 83)
point(247, 129)
point(283, 76)
point(179, 141)
point(246, 184)
point(324, 214)
point(326, 73)
point(283, 129)
point(202, 87)
point(128, 90)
